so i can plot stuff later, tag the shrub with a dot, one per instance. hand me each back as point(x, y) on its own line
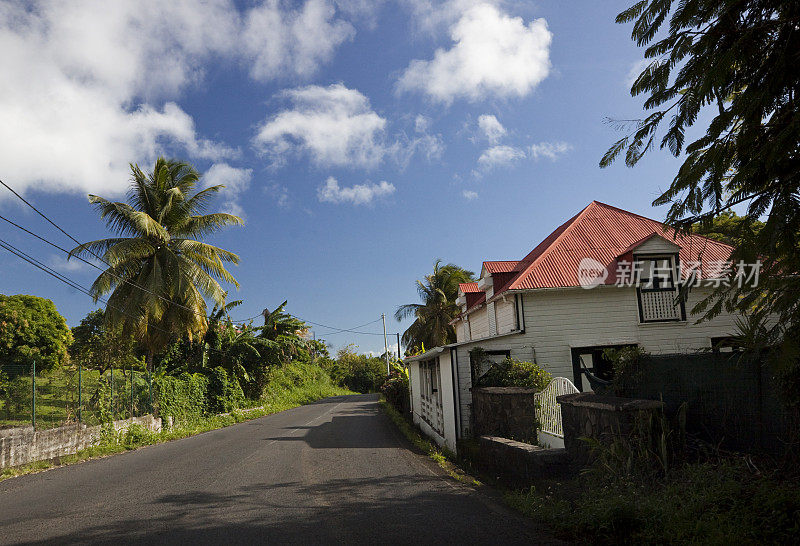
point(224, 392)
point(395, 389)
point(357, 372)
point(182, 397)
point(515, 373)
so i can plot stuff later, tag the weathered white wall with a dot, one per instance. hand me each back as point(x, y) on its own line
point(558, 320)
point(479, 323)
point(448, 404)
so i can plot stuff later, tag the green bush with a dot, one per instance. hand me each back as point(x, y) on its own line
point(224, 392)
point(183, 397)
point(395, 389)
point(356, 372)
point(515, 373)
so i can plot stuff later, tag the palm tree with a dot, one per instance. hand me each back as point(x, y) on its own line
point(159, 271)
point(438, 293)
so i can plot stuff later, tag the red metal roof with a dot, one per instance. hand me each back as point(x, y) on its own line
point(603, 233)
point(468, 287)
point(505, 266)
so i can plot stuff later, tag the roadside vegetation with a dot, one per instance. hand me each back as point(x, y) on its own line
point(290, 386)
point(723, 500)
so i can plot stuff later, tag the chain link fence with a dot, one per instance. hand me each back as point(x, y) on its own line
point(71, 394)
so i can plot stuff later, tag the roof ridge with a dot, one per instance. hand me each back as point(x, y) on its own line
point(660, 223)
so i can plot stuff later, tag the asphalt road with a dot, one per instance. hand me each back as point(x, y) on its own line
point(336, 471)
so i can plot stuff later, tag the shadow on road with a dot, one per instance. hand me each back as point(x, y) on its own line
point(391, 510)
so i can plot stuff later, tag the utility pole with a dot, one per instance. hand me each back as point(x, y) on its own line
point(385, 343)
point(314, 350)
point(398, 347)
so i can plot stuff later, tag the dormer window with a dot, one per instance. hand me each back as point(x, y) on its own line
point(658, 289)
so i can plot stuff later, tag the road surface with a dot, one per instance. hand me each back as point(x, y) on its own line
point(336, 471)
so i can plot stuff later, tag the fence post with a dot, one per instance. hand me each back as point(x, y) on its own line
point(80, 390)
point(112, 393)
point(150, 386)
point(33, 399)
point(132, 390)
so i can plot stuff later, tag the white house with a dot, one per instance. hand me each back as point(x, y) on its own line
point(605, 278)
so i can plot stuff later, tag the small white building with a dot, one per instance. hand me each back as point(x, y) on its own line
point(606, 278)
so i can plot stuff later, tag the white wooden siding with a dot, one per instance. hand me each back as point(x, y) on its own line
point(479, 323)
point(492, 317)
point(656, 245)
point(557, 320)
point(505, 313)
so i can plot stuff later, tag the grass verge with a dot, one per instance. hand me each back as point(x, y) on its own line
point(289, 387)
point(445, 458)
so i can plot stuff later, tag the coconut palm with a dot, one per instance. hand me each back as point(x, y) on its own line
point(438, 293)
point(159, 271)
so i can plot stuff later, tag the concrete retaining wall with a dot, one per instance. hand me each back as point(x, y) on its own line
point(24, 445)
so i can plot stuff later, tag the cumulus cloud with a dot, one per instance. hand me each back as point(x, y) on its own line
point(492, 128)
point(295, 42)
point(550, 150)
point(235, 180)
point(93, 85)
point(334, 126)
point(469, 195)
point(493, 54)
point(73, 77)
point(358, 194)
point(500, 155)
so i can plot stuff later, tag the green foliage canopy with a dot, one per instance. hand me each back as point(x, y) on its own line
point(31, 328)
point(99, 345)
point(732, 69)
point(159, 271)
point(438, 292)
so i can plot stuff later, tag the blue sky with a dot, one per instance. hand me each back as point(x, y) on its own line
point(360, 140)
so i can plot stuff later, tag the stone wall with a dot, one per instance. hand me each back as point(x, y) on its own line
point(603, 418)
point(24, 445)
point(518, 464)
point(509, 412)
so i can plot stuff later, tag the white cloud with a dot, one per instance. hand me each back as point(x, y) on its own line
point(500, 155)
point(550, 150)
point(74, 75)
point(235, 180)
point(634, 71)
point(358, 194)
point(59, 262)
point(492, 128)
point(333, 125)
point(493, 54)
point(422, 123)
point(469, 195)
point(92, 85)
point(281, 42)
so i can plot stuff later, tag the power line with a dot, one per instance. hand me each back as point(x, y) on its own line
point(69, 254)
point(72, 284)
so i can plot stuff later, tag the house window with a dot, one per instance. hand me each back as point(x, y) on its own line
point(480, 362)
point(658, 290)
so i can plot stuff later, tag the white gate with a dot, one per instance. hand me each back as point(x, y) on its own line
point(548, 409)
